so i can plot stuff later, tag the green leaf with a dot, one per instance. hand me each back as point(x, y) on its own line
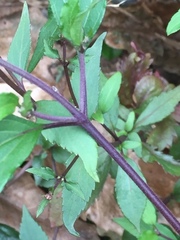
point(174, 150)
point(50, 52)
point(167, 162)
point(128, 236)
point(73, 205)
point(149, 214)
point(51, 107)
point(109, 92)
point(44, 202)
point(148, 235)
point(174, 24)
point(128, 226)
point(77, 141)
point(103, 168)
point(60, 155)
point(98, 116)
point(159, 108)
point(75, 188)
point(72, 20)
point(111, 117)
point(76, 31)
point(17, 140)
point(27, 104)
point(165, 231)
point(56, 7)
point(176, 191)
point(130, 122)
point(92, 75)
point(43, 172)
point(38, 162)
point(29, 229)
point(55, 210)
point(93, 17)
point(133, 136)
point(130, 198)
point(20, 47)
point(83, 20)
point(131, 144)
point(8, 233)
point(110, 53)
point(8, 102)
point(50, 33)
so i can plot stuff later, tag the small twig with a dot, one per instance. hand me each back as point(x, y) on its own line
point(7, 80)
point(20, 173)
point(18, 83)
point(116, 138)
point(65, 64)
point(59, 180)
point(83, 90)
point(19, 89)
point(59, 124)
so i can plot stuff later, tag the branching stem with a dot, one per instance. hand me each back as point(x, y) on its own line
point(59, 180)
point(99, 138)
point(132, 174)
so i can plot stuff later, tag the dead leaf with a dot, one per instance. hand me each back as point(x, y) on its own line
point(104, 210)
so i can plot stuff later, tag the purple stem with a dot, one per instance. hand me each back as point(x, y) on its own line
point(54, 118)
point(132, 174)
point(38, 82)
point(83, 92)
point(98, 137)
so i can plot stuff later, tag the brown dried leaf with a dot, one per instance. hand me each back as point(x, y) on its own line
point(148, 87)
point(133, 68)
point(163, 134)
point(104, 210)
point(145, 23)
point(55, 210)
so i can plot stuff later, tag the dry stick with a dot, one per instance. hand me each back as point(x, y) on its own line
point(99, 138)
point(7, 80)
point(19, 88)
point(116, 138)
point(20, 173)
point(59, 180)
point(18, 83)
